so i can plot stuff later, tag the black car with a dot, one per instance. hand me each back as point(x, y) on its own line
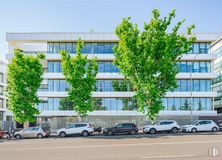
point(123, 128)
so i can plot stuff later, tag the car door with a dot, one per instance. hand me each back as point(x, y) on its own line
point(208, 125)
point(201, 126)
point(161, 126)
point(26, 133)
point(80, 127)
point(119, 129)
point(71, 129)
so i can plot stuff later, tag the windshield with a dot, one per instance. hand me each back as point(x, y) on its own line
point(193, 123)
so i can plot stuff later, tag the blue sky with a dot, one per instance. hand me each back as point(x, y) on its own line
point(100, 15)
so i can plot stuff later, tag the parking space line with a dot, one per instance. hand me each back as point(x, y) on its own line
point(108, 145)
point(167, 157)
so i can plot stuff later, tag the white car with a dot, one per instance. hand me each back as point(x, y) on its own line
point(165, 125)
point(84, 129)
point(201, 125)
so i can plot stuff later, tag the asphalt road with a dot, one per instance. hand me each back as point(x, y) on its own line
point(139, 147)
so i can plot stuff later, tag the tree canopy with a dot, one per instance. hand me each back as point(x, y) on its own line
point(149, 58)
point(24, 77)
point(80, 73)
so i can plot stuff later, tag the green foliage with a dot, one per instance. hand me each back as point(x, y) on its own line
point(66, 105)
point(98, 104)
point(199, 106)
point(149, 58)
point(24, 79)
point(186, 106)
point(80, 73)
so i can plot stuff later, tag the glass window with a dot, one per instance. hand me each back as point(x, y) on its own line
point(56, 85)
point(62, 46)
point(101, 66)
point(1, 90)
point(57, 66)
point(1, 103)
point(185, 103)
point(171, 104)
point(50, 66)
point(196, 48)
point(56, 48)
point(183, 86)
point(50, 47)
point(63, 86)
point(196, 85)
point(203, 48)
point(69, 47)
point(183, 67)
point(50, 85)
point(196, 67)
point(203, 67)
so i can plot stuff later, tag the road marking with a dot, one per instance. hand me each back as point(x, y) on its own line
point(108, 145)
point(176, 156)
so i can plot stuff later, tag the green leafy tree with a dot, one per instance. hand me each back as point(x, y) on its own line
point(173, 107)
point(186, 106)
point(199, 106)
point(66, 105)
point(98, 104)
point(149, 58)
point(24, 77)
point(80, 73)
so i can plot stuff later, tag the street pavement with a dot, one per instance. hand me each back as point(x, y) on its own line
point(203, 146)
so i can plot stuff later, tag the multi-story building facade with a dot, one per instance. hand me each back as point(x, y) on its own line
point(3, 68)
point(216, 49)
point(114, 103)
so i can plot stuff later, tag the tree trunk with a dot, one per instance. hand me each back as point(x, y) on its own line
point(26, 125)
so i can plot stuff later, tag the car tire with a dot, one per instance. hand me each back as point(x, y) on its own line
point(152, 131)
point(133, 132)
point(18, 136)
point(193, 130)
point(110, 133)
point(39, 136)
point(174, 130)
point(62, 134)
point(85, 133)
point(214, 129)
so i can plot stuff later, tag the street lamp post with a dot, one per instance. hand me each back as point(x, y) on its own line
point(191, 88)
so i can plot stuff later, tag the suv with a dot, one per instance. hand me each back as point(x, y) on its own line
point(123, 128)
point(201, 125)
point(165, 125)
point(31, 132)
point(84, 129)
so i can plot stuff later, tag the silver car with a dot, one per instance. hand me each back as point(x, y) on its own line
point(32, 132)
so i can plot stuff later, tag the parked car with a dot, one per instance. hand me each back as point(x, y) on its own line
point(201, 125)
point(123, 128)
point(31, 132)
point(162, 126)
point(2, 133)
point(84, 129)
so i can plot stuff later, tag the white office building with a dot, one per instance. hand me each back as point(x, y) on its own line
point(3, 68)
point(193, 97)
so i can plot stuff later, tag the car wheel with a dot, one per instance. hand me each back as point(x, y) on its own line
point(174, 130)
point(85, 133)
point(214, 129)
point(62, 134)
point(133, 132)
point(152, 131)
point(18, 136)
point(39, 136)
point(193, 130)
point(110, 133)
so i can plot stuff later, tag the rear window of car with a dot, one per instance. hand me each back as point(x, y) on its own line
point(129, 125)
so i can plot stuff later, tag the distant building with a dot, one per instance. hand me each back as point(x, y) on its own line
point(2, 92)
point(216, 49)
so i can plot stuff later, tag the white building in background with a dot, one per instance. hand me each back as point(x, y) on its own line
point(216, 49)
point(116, 105)
point(3, 68)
